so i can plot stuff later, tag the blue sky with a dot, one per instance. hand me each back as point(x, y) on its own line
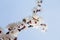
point(16, 10)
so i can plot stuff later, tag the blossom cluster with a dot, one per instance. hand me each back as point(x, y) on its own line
point(33, 21)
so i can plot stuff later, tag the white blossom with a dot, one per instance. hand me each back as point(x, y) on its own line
point(33, 21)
